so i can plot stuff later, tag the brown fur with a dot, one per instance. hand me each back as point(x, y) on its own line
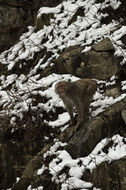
point(78, 94)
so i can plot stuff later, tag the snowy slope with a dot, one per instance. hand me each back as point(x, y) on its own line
point(15, 101)
point(60, 35)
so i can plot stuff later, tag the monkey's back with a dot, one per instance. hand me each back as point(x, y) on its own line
point(88, 86)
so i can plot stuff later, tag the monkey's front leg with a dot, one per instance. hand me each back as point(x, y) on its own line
point(70, 111)
point(79, 107)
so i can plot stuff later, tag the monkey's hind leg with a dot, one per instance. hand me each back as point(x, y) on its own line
point(83, 112)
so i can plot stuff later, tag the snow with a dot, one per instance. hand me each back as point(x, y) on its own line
point(64, 35)
point(123, 84)
point(76, 170)
point(105, 102)
point(38, 188)
point(54, 148)
point(62, 118)
point(19, 96)
point(41, 170)
point(115, 4)
point(47, 10)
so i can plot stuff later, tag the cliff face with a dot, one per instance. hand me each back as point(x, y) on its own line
point(15, 16)
point(55, 40)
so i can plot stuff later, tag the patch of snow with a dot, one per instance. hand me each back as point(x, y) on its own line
point(41, 170)
point(96, 157)
point(62, 118)
point(115, 4)
point(76, 170)
point(38, 188)
point(48, 10)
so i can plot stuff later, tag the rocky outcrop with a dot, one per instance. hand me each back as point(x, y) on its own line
point(13, 158)
point(15, 16)
point(28, 174)
point(110, 175)
point(113, 91)
point(93, 131)
point(104, 45)
point(99, 62)
point(44, 19)
point(69, 60)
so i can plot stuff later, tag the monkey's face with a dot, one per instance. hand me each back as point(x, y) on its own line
point(60, 88)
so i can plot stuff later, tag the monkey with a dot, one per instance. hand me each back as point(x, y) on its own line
point(78, 94)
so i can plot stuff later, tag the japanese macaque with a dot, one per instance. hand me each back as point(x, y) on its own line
point(78, 94)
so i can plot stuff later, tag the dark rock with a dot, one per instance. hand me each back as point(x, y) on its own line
point(99, 1)
point(123, 39)
point(104, 45)
point(94, 130)
point(24, 183)
point(99, 63)
point(84, 71)
point(14, 19)
point(110, 175)
point(86, 138)
point(48, 3)
point(3, 69)
point(101, 60)
point(16, 15)
point(121, 74)
point(44, 19)
point(7, 171)
point(112, 91)
point(29, 170)
point(69, 60)
point(13, 159)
